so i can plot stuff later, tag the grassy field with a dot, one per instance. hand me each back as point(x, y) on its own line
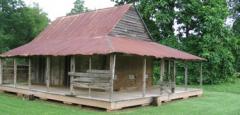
point(217, 100)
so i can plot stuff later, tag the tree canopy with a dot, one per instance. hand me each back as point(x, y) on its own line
point(234, 8)
point(19, 24)
point(78, 7)
point(195, 26)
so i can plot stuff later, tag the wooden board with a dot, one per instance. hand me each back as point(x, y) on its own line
point(94, 79)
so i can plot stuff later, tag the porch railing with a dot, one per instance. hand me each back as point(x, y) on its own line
point(92, 79)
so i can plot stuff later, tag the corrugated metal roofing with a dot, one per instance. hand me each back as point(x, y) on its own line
point(88, 34)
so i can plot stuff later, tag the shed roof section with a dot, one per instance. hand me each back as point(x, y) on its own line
point(89, 34)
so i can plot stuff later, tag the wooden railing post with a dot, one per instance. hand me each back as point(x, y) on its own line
point(29, 73)
point(48, 73)
point(186, 76)
point(15, 72)
point(72, 69)
point(112, 68)
point(1, 71)
point(144, 77)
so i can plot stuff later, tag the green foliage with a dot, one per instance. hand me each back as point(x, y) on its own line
point(19, 24)
point(236, 30)
point(201, 31)
point(78, 7)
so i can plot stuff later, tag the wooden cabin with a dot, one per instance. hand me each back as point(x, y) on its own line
point(101, 58)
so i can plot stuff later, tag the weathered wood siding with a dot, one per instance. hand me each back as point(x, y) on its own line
point(95, 79)
point(57, 71)
point(8, 71)
point(131, 26)
point(38, 70)
point(99, 62)
point(129, 66)
point(129, 70)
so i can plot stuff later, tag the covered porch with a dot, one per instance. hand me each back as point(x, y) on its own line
point(111, 81)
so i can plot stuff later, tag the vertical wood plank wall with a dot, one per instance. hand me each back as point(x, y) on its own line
point(132, 65)
point(57, 72)
point(131, 26)
point(125, 66)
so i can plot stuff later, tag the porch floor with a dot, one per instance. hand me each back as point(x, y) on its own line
point(99, 99)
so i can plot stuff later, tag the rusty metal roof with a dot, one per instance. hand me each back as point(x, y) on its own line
point(88, 34)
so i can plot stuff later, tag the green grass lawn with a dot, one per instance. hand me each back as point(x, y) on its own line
point(217, 100)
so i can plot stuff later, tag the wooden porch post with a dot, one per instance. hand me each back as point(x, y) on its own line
point(169, 71)
point(90, 68)
point(201, 79)
point(174, 77)
point(72, 69)
point(15, 72)
point(29, 73)
point(1, 71)
point(162, 71)
point(48, 72)
point(144, 77)
point(90, 63)
point(112, 67)
point(186, 75)
point(174, 71)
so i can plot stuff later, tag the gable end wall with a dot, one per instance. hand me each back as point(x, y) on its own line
point(131, 26)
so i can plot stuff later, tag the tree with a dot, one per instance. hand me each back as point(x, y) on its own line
point(158, 15)
point(200, 31)
point(236, 31)
point(78, 7)
point(234, 8)
point(19, 24)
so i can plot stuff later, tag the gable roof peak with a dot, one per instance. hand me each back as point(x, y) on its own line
point(96, 10)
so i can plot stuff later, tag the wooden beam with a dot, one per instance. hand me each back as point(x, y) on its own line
point(90, 63)
point(72, 69)
point(201, 79)
point(1, 71)
point(186, 76)
point(15, 72)
point(144, 76)
point(112, 67)
point(169, 71)
point(174, 71)
point(90, 68)
point(174, 77)
point(162, 74)
point(29, 73)
point(48, 72)
point(162, 70)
